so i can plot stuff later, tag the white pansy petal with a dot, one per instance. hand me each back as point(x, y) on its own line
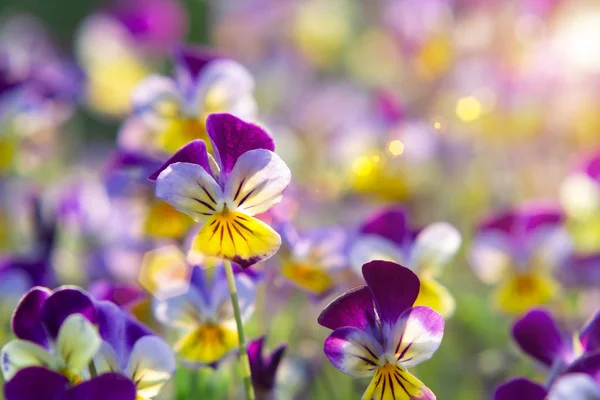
point(19, 354)
point(183, 311)
point(78, 342)
point(373, 247)
point(489, 257)
point(151, 365)
point(225, 86)
point(577, 386)
point(435, 246)
point(256, 182)
point(155, 99)
point(106, 359)
point(189, 189)
point(415, 336)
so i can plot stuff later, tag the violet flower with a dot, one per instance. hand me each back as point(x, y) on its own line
point(264, 368)
point(378, 333)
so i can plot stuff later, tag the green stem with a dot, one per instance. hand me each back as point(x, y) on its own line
point(246, 375)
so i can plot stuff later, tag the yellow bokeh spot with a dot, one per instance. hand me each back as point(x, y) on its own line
point(164, 270)
point(396, 147)
point(437, 125)
point(468, 108)
point(364, 165)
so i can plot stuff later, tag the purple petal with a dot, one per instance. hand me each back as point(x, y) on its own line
point(354, 308)
point(119, 329)
point(27, 321)
point(62, 303)
point(590, 335)
point(580, 271)
point(394, 288)
point(120, 294)
point(353, 351)
point(123, 159)
point(49, 385)
point(192, 60)
point(520, 389)
point(588, 364)
point(536, 334)
point(232, 137)
point(264, 369)
point(523, 220)
point(193, 153)
point(592, 167)
point(390, 223)
point(107, 386)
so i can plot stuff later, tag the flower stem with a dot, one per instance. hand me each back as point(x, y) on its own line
point(246, 374)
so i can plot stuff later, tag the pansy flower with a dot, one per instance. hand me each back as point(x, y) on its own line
point(378, 333)
point(312, 261)
point(538, 335)
point(264, 368)
point(66, 332)
point(247, 179)
point(572, 386)
point(387, 235)
point(517, 250)
point(198, 312)
point(169, 112)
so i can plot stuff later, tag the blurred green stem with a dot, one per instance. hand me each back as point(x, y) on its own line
point(246, 374)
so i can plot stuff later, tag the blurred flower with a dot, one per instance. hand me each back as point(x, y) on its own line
point(537, 335)
point(386, 235)
point(378, 332)
point(518, 249)
point(249, 179)
point(118, 46)
point(573, 386)
point(56, 330)
point(264, 368)
point(41, 383)
point(312, 262)
point(199, 312)
point(170, 112)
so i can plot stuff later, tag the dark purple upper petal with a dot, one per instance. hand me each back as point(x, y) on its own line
point(391, 223)
point(27, 318)
point(354, 308)
point(194, 153)
point(118, 329)
point(536, 334)
point(120, 294)
point(523, 220)
point(590, 335)
point(264, 369)
point(592, 167)
point(520, 389)
point(192, 60)
point(62, 303)
point(104, 387)
point(231, 137)
point(394, 288)
point(36, 383)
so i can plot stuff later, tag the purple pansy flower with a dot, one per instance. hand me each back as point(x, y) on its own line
point(538, 335)
point(378, 333)
point(571, 386)
point(196, 309)
point(313, 260)
point(247, 179)
point(172, 111)
point(67, 332)
point(518, 249)
point(387, 235)
point(264, 368)
point(34, 383)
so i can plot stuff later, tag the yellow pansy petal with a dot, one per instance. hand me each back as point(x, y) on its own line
point(207, 344)
point(164, 221)
point(308, 277)
point(436, 296)
point(177, 132)
point(165, 272)
point(237, 237)
point(521, 292)
point(392, 382)
point(19, 354)
point(78, 342)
